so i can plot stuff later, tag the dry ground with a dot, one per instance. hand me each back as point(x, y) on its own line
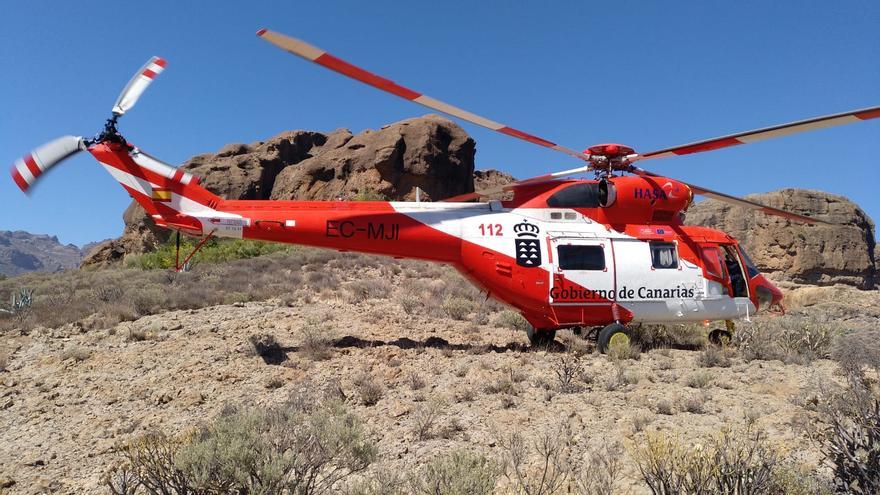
point(69, 396)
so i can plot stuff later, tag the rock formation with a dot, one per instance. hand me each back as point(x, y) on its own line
point(808, 254)
point(429, 152)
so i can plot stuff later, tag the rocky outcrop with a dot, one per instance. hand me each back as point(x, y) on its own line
point(488, 179)
point(22, 252)
point(430, 152)
point(819, 254)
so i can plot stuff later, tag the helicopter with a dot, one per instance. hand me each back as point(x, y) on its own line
point(604, 254)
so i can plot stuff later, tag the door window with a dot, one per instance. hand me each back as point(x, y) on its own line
point(574, 257)
point(664, 255)
point(713, 262)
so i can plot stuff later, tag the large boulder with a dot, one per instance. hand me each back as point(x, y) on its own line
point(843, 253)
point(429, 152)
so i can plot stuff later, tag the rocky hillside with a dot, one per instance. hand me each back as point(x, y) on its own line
point(844, 253)
point(22, 252)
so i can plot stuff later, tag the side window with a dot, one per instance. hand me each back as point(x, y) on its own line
point(664, 255)
point(573, 257)
point(576, 196)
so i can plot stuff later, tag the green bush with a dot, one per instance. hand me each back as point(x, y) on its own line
point(457, 473)
point(303, 448)
point(512, 320)
point(735, 461)
point(214, 251)
point(458, 308)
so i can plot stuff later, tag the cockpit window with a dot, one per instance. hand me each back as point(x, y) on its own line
point(576, 196)
point(750, 266)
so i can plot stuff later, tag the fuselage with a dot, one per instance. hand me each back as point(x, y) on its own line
point(553, 252)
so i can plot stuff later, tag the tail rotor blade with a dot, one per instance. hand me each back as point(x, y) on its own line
point(27, 170)
point(138, 84)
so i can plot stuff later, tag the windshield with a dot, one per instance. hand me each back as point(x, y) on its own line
point(750, 266)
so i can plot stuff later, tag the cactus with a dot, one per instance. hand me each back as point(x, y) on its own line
point(21, 301)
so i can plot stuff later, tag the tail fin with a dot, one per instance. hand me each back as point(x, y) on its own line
point(171, 196)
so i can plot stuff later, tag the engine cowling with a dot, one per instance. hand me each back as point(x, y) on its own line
point(643, 199)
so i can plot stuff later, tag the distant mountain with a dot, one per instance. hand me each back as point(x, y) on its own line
point(22, 252)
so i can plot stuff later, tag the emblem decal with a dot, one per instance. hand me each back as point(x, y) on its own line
point(528, 248)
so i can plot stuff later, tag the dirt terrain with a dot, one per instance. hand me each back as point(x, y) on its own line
point(70, 396)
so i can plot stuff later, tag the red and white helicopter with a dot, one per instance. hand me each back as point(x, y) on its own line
point(566, 253)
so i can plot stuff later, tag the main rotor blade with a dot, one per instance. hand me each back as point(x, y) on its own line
point(27, 170)
point(762, 134)
point(321, 57)
point(726, 198)
point(509, 187)
point(138, 84)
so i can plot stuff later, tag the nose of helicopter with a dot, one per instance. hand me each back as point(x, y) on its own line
point(765, 295)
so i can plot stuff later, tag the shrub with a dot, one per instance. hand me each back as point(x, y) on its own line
point(410, 303)
point(416, 382)
point(601, 470)
point(4, 361)
point(734, 461)
point(568, 373)
point(693, 404)
point(713, 356)
point(458, 308)
point(265, 346)
point(665, 407)
point(214, 251)
point(790, 339)
point(316, 340)
point(512, 320)
point(363, 290)
point(368, 389)
point(621, 351)
point(286, 450)
point(457, 473)
point(425, 418)
point(699, 379)
point(850, 436)
point(857, 350)
point(541, 467)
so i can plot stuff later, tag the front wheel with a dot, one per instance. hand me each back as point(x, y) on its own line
point(539, 338)
point(720, 337)
point(613, 335)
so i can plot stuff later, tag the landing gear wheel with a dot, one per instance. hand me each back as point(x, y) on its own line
point(539, 338)
point(613, 334)
point(720, 337)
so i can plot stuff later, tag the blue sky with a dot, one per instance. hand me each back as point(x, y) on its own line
point(647, 74)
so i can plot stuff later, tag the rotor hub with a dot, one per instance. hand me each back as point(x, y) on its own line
point(609, 157)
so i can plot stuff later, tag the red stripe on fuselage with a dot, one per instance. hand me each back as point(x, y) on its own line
point(32, 166)
point(364, 76)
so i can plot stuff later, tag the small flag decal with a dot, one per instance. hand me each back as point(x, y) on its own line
point(163, 195)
